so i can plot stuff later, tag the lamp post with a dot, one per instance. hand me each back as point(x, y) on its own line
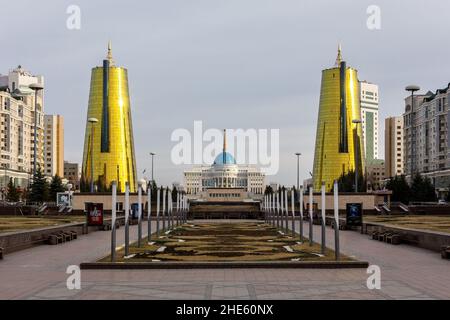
point(93, 122)
point(152, 154)
point(412, 89)
point(298, 154)
point(36, 87)
point(356, 122)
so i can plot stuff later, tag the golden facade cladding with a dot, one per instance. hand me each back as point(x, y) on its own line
point(329, 162)
point(118, 164)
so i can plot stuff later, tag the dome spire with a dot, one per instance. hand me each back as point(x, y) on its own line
point(339, 56)
point(224, 140)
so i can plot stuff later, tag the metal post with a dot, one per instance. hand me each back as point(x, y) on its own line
point(178, 209)
point(286, 214)
point(92, 157)
point(356, 164)
point(293, 212)
point(323, 204)
point(113, 221)
point(171, 210)
point(158, 199)
point(139, 214)
point(336, 220)
point(282, 218)
point(149, 225)
point(311, 195)
point(277, 198)
point(35, 133)
point(164, 209)
point(127, 219)
point(169, 201)
point(301, 213)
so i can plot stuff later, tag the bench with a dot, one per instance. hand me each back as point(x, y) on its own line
point(375, 235)
point(393, 238)
point(54, 239)
point(61, 237)
point(445, 252)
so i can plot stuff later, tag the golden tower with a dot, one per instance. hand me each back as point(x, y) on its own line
point(108, 142)
point(338, 138)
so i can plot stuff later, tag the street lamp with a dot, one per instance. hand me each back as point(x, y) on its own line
point(36, 87)
point(356, 122)
point(152, 155)
point(93, 122)
point(412, 89)
point(298, 154)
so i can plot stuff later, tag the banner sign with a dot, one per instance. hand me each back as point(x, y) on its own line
point(354, 214)
point(63, 199)
point(94, 213)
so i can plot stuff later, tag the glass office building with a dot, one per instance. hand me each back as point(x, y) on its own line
point(338, 139)
point(108, 146)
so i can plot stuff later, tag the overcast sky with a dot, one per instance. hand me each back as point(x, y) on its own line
point(230, 63)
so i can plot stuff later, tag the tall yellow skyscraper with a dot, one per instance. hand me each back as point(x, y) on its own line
point(108, 142)
point(339, 133)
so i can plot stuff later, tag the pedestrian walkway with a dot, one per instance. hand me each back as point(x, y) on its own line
point(407, 273)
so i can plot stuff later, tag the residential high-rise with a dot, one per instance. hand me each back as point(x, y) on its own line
point(54, 145)
point(393, 146)
point(375, 173)
point(17, 111)
point(339, 147)
point(72, 173)
point(108, 146)
point(369, 113)
point(427, 136)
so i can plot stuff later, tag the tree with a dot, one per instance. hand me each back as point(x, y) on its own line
point(39, 188)
point(268, 191)
point(422, 190)
point(346, 182)
point(174, 194)
point(56, 186)
point(13, 194)
point(401, 191)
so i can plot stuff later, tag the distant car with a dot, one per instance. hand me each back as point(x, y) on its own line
point(442, 202)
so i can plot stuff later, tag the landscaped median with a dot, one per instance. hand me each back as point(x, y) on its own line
point(225, 245)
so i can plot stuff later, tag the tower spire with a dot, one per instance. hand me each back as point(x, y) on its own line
point(339, 56)
point(109, 56)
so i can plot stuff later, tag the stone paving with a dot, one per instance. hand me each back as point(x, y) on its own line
point(407, 273)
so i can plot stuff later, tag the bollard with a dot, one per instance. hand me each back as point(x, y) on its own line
point(311, 195)
point(336, 220)
point(149, 225)
point(113, 221)
point(127, 219)
point(323, 204)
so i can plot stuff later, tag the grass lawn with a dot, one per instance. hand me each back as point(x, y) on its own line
point(433, 223)
point(19, 223)
point(234, 241)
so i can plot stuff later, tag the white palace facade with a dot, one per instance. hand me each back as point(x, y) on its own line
point(222, 176)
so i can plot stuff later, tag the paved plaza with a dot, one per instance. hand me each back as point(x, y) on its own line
point(406, 273)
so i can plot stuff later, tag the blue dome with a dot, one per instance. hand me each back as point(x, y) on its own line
point(224, 158)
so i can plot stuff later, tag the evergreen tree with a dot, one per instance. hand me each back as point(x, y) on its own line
point(39, 188)
point(13, 194)
point(268, 190)
point(174, 194)
point(55, 187)
point(346, 182)
point(422, 190)
point(401, 191)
